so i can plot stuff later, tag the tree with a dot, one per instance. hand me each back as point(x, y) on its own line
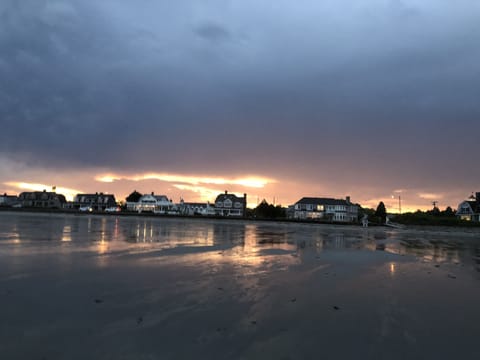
point(448, 212)
point(134, 196)
point(381, 212)
point(268, 211)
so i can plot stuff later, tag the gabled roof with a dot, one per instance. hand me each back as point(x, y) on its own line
point(473, 205)
point(232, 197)
point(41, 195)
point(161, 197)
point(322, 201)
point(196, 204)
point(97, 195)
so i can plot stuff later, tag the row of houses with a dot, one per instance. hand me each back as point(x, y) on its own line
point(225, 204)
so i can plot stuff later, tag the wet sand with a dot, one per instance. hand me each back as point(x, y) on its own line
point(76, 287)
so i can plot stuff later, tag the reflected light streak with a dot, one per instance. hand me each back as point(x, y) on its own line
point(67, 233)
point(102, 247)
point(69, 193)
point(392, 269)
point(249, 181)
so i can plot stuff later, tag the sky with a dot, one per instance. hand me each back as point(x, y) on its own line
point(373, 99)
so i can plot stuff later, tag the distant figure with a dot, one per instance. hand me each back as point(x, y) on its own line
point(365, 220)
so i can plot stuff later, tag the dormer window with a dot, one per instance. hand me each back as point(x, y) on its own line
point(227, 203)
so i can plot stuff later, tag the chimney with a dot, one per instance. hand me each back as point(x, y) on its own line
point(226, 192)
point(477, 195)
point(348, 199)
point(152, 193)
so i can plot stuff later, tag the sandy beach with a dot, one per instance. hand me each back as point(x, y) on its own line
point(77, 287)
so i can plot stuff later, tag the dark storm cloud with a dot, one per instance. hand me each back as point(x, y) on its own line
point(219, 86)
point(213, 32)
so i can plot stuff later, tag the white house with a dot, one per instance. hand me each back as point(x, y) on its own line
point(470, 208)
point(339, 210)
point(159, 204)
point(189, 208)
point(8, 200)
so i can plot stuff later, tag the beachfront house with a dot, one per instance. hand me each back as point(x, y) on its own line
point(159, 204)
point(42, 199)
point(8, 200)
point(314, 208)
point(231, 205)
point(195, 208)
point(470, 209)
point(97, 201)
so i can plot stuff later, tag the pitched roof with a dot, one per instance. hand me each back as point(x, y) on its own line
point(475, 206)
point(232, 197)
point(41, 195)
point(97, 195)
point(195, 204)
point(161, 197)
point(322, 201)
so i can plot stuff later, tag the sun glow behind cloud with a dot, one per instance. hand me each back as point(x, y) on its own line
point(249, 181)
point(69, 193)
point(206, 188)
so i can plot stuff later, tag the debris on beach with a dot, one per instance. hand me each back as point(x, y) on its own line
point(98, 301)
point(335, 307)
point(293, 300)
point(451, 276)
point(220, 288)
point(139, 320)
point(253, 322)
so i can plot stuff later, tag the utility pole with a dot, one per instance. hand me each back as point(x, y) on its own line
point(399, 204)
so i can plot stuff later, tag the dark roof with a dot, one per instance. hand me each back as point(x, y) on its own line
point(9, 196)
point(232, 197)
point(474, 205)
point(161, 197)
point(322, 201)
point(97, 195)
point(40, 195)
point(195, 204)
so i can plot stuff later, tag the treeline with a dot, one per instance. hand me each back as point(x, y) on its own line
point(434, 217)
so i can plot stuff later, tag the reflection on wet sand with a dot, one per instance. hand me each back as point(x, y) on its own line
point(233, 289)
point(240, 242)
